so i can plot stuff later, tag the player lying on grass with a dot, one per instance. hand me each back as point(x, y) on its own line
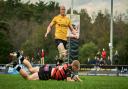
point(46, 72)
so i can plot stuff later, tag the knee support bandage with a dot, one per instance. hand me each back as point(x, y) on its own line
point(62, 51)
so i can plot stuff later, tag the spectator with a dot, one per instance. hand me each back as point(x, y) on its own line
point(97, 60)
point(88, 60)
point(108, 61)
point(98, 54)
point(104, 56)
point(116, 58)
point(42, 57)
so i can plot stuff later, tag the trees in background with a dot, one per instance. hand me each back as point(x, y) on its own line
point(5, 44)
point(27, 24)
point(88, 51)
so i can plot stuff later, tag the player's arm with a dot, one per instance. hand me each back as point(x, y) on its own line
point(77, 78)
point(74, 32)
point(49, 28)
point(72, 29)
point(69, 73)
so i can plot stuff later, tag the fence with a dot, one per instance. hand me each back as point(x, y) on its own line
point(109, 70)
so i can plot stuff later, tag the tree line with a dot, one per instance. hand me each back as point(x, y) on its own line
point(23, 25)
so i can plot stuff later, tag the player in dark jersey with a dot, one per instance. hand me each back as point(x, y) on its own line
point(46, 72)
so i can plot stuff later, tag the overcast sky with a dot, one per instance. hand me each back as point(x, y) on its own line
point(91, 6)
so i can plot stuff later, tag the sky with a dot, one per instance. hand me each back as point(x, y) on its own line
point(120, 6)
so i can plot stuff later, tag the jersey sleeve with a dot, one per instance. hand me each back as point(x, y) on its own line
point(53, 22)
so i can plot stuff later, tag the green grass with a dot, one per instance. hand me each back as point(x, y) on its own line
point(89, 82)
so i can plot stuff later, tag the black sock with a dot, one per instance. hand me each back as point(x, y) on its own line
point(14, 64)
point(22, 59)
point(18, 68)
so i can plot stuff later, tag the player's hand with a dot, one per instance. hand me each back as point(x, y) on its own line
point(76, 37)
point(74, 32)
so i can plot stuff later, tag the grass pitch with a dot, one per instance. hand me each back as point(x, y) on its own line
point(89, 82)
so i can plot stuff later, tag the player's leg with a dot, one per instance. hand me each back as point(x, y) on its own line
point(25, 75)
point(61, 48)
point(62, 51)
point(33, 76)
point(29, 66)
point(24, 61)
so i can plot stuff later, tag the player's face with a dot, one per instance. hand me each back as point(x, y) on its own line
point(75, 68)
point(62, 10)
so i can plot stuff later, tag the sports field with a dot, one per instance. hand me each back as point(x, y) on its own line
point(89, 82)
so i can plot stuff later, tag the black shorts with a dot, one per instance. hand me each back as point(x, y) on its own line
point(58, 41)
point(45, 72)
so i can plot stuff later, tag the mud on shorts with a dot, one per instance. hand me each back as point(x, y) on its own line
point(45, 72)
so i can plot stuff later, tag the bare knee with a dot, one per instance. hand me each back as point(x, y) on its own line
point(34, 69)
point(62, 51)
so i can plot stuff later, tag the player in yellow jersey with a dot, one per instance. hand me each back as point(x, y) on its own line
point(61, 23)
